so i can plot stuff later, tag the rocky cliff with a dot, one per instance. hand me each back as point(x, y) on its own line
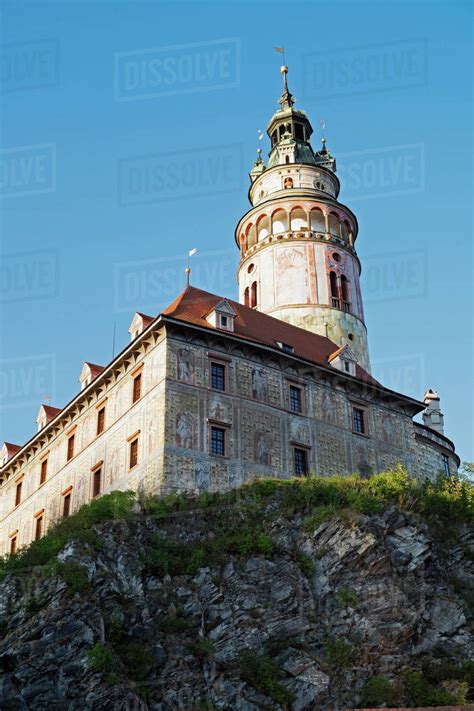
point(264, 599)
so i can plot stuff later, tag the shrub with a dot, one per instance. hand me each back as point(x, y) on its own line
point(306, 565)
point(202, 649)
point(347, 597)
point(264, 674)
point(380, 690)
point(319, 516)
point(99, 658)
point(136, 659)
point(73, 574)
point(339, 653)
point(420, 692)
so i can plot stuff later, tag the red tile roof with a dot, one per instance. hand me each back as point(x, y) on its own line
point(146, 319)
point(11, 449)
point(192, 305)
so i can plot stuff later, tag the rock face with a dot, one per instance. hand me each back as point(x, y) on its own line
point(332, 606)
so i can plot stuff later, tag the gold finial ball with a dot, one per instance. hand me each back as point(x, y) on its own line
point(187, 270)
point(284, 69)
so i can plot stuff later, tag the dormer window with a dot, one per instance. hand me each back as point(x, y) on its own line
point(286, 347)
point(344, 359)
point(139, 323)
point(222, 316)
point(89, 372)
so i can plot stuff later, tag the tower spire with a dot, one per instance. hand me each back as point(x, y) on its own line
point(286, 100)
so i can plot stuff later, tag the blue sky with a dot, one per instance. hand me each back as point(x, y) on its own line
point(128, 129)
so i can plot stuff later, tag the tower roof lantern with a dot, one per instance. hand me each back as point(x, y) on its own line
point(324, 157)
point(258, 167)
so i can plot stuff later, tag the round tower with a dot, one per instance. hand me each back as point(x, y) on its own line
point(298, 261)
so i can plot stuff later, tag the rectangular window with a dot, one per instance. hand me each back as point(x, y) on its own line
point(300, 461)
point(39, 527)
point(44, 471)
point(133, 453)
point(96, 482)
point(137, 387)
point(67, 505)
point(101, 420)
point(358, 420)
point(13, 542)
point(70, 447)
point(19, 487)
point(218, 441)
point(295, 399)
point(217, 376)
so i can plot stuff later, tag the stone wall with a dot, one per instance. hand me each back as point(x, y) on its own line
point(110, 449)
point(261, 431)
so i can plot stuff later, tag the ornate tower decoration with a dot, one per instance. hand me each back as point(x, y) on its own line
point(298, 260)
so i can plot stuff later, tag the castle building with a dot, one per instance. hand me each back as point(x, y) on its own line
point(211, 393)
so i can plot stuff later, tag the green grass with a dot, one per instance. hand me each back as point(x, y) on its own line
point(380, 690)
point(117, 505)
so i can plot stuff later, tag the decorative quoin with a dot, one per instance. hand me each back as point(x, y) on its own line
point(211, 393)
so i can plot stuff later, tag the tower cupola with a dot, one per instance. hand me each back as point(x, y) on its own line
point(298, 261)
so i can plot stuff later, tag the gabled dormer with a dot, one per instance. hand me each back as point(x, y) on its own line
point(222, 316)
point(139, 323)
point(88, 373)
point(46, 413)
point(7, 452)
point(343, 359)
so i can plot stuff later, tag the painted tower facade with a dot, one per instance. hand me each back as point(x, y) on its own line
point(298, 261)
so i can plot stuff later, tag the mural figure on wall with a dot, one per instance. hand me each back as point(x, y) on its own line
point(185, 365)
point(329, 408)
point(184, 430)
point(114, 467)
point(259, 384)
point(80, 494)
point(299, 433)
point(152, 432)
point(263, 448)
point(202, 474)
point(218, 412)
point(389, 432)
point(291, 275)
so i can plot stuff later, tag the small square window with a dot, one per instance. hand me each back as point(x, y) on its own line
point(133, 453)
point(224, 321)
point(44, 471)
point(217, 376)
point(137, 387)
point(70, 447)
point(218, 441)
point(96, 482)
point(67, 504)
point(296, 401)
point(101, 420)
point(300, 461)
point(358, 420)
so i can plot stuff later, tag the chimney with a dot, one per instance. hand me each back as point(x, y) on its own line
point(432, 416)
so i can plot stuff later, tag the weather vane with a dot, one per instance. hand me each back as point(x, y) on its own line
point(280, 50)
point(188, 268)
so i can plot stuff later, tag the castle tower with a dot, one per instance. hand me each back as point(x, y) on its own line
point(432, 416)
point(298, 261)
